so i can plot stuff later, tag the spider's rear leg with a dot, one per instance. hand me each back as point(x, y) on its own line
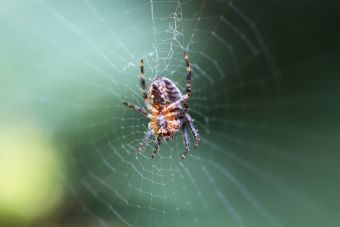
point(193, 129)
point(146, 139)
point(186, 141)
point(156, 148)
point(138, 109)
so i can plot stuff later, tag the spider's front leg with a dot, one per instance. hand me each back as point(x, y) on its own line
point(193, 129)
point(188, 78)
point(178, 103)
point(144, 93)
point(142, 82)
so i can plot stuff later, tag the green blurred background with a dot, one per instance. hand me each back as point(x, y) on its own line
point(265, 100)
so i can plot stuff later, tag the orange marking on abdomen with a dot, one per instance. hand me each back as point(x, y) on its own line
point(172, 126)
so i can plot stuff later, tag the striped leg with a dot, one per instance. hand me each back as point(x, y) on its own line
point(146, 139)
point(186, 141)
point(156, 148)
point(136, 108)
point(188, 77)
point(193, 130)
point(142, 81)
point(179, 102)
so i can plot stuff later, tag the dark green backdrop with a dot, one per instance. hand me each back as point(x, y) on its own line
point(265, 100)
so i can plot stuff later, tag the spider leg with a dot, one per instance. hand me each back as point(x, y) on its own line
point(193, 129)
point(156, 148)
point(186, 141)
point(138, 109)
point(142, 81)
point(183, 100)
point(146, 139)
point(188, 77)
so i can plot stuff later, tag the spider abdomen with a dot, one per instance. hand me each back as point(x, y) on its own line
point(165, 119)
point(163, 92)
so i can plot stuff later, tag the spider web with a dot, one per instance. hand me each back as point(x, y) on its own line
point(235, 100)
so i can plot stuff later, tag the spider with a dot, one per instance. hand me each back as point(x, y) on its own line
point(167, 110)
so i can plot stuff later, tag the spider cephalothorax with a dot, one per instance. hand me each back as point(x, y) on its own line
point(167, 110)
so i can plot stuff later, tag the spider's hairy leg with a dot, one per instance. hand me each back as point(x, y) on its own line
point(138, 109)
point(156, 147)
point(188, 78)
point(193, 129)
point(179, 102)
point(142, 81)
point(146, 139)
point(186, 141)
